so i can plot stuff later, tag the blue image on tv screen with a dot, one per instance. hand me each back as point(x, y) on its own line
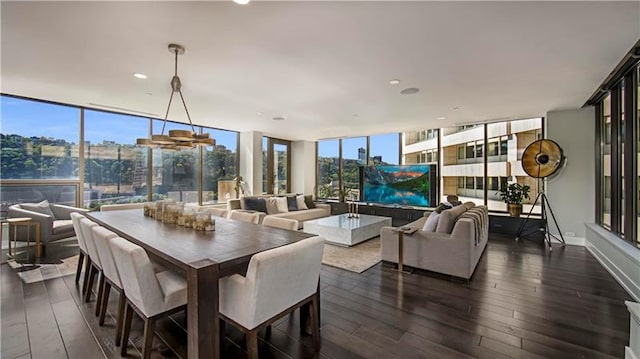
point(401, 185)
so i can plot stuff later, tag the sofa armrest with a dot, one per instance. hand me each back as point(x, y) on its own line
point(326, 207)
point(64, 212)
point(233, 204)
point(46, 221)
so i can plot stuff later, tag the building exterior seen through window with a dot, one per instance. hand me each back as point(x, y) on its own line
point(462, 158)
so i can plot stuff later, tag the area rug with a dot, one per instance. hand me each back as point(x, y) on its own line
point(357, 259)
point(32, 273)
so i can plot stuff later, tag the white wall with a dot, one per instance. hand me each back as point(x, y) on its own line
point(571, 192)
point(303, 166)
point(572, 196)
point(251, 160)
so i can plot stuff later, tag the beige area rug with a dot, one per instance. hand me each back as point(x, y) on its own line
point(41, 272)
point(357, 259)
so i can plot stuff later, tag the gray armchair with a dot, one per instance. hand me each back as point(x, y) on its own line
point(55, 220)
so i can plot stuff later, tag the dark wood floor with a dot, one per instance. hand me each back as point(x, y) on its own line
point(523, 301)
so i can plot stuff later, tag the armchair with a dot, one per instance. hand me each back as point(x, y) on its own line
point(55, 220)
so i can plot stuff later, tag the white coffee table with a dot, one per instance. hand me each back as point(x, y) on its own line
point(345, 231)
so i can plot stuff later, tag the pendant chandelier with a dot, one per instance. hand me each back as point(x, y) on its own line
point(177, 139)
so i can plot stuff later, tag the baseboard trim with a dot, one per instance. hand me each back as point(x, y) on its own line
point(574, 241)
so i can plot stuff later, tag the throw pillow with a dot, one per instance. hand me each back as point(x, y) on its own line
point(42, 208)
point(308, 200)
point(300, 201)
point(432, 222)
point(281, 202)
point(292, 204)
point(254, 204)
point(272, 206)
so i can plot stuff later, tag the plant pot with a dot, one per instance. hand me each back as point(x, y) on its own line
point(515, 210)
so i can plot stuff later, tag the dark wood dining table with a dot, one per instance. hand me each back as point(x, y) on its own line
point(204, 256)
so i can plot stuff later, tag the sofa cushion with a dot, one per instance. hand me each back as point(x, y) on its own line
point(432, 222)
point(308, 200)
point(42, 208)
point(253, 204)
point(283, 206)
point(305, 215)
point(272, 206)
point(300, 202)
point(62, 226)
point(292, 204)
point(448, 218)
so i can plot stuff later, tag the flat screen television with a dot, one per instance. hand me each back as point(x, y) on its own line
point(408, 185)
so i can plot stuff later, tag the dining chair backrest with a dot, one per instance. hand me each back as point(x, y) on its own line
point(282, 277)
point(86, 225)
point(139, 280)
point(245, 217)
point(284, 223)
point(75, 220)
point(101, 238)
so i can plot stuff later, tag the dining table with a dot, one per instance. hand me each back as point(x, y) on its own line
point(204, 256)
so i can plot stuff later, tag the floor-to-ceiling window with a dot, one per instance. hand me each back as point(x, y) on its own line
point(115, 169)
point(277, 165)
point(637, 140)
point(175, 171)
point(220, 166)
point(40, 152)
point(477, 160)
point(385, 149)
point(605, 215)
point(354, 158)
point(340, 163)
point(86, 157)
point(618, 133)
point(328, 169)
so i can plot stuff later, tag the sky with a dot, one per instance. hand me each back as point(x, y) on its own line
point(33, 118)
point(385, 145)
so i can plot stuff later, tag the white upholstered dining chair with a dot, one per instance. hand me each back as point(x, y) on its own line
point(96, 267)
point(83, 255)
point(278, 281)
point(284, 223)
point(101, 238)
point(245, 217)
point(148, 293)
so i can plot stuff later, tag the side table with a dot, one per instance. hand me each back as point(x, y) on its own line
point(26, 222)
point(401, 232)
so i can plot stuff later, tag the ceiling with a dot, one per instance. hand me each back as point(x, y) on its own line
point(324, 66)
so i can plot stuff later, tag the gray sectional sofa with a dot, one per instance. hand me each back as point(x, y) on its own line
point(454, 248)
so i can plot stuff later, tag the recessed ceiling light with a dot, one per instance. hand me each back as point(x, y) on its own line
point(139, 75)
point(241, 2)
point(394, 82)
point(259, 113)
point(278, 118)
point(355, 115)
point(410, 91)
point(456, 108)
point(441, 118)
point(149, 94)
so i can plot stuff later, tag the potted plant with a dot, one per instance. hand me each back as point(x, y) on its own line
point(514, 195)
